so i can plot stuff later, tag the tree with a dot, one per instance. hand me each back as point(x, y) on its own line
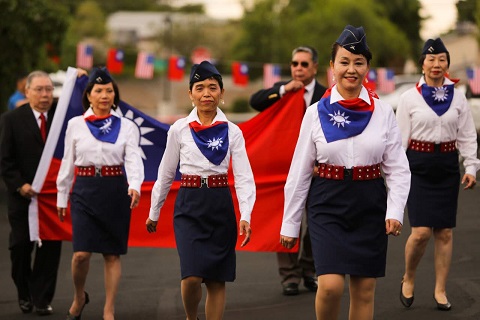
point(87, 23)
point(89, 20)
point(405, 15)
point(268, 33)
point(27, 28)
point(467, 10)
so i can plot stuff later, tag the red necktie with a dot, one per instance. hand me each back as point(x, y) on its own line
point(43, 127)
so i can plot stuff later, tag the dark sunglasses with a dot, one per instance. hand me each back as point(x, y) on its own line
point(304, 64)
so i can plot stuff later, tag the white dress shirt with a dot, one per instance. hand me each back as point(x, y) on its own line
point(308, 94)
point(380, 142)
point(182, 148)
point(37, 116)
point(418, 121)
point(83, 149)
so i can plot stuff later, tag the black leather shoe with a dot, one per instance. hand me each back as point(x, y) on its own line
point(443, 306)
point(44, 311)
point(25, 305)
point(290, 289)
point(79, 317)
point(310, 283)
point(407, 302)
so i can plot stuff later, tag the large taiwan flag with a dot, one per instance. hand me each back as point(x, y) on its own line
point(270, 139)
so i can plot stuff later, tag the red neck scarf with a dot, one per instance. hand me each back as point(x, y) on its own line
point(356, 104)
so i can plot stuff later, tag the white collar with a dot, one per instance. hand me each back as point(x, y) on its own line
point(193, 116)
point(336, 96)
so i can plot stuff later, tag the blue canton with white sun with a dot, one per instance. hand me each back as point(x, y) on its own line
point(215, 143)
point(338, 118)
point(440, 94)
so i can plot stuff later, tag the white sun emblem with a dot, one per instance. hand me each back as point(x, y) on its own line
point(215, 143)
point(440, 94)
point(339, 119)
point(107, 126)
point(143, 130)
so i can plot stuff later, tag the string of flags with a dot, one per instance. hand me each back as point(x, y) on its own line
point(380, 79)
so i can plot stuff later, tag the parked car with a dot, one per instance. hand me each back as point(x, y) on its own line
point(393, 97)
point(58, 78)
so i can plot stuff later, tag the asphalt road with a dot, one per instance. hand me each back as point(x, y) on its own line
point(150, 286)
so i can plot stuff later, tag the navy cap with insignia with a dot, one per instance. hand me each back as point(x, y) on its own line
point(432, 46)
point(100, 76)
point(353, 39)
point(203, 71)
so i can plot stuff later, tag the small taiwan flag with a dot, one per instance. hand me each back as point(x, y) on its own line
point(176, 68)
point(240, 73)
point(370, 81)
point(115, 61)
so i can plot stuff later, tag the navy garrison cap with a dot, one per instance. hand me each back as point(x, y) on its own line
point(353, 39)
point(434, 46)
point(100, 76)
point(203, 71)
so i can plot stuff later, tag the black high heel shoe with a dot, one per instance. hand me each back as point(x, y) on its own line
point(79, 317)
point(407, 302)
point(443, 306)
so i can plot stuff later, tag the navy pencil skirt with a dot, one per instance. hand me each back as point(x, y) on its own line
point(346, 220)
point(100, 209)
point(433, 198)
point(206, 233)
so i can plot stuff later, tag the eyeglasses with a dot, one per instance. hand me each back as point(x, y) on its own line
point(304, 64)
point(41, 89)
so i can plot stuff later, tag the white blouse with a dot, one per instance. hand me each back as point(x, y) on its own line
point(182, 148)
point(418, 121)
point(83, 149)
point(380, 142)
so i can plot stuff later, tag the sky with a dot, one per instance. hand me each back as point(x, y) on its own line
point(442, 13)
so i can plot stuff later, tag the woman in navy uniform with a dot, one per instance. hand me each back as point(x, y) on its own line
point(204, 218)
point(355, 139)
point(98, 145)
point(436, 124)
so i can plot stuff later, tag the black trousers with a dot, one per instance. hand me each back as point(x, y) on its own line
point(36, 283)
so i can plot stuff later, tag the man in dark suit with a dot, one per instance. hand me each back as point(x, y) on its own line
point(292, 267)
point(22, 139)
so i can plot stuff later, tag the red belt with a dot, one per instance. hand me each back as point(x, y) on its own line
point(424, 146)
point(104, 171)
point(194, 181)
point(330, 171)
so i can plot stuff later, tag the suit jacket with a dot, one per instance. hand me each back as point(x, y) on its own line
point(263, 99)
point(21, 148)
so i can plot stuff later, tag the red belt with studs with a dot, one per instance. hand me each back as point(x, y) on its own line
point(333, 172)
point(196, 181)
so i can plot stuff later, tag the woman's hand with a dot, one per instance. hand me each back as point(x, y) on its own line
point(61, 213)
point(288, 242)
point(151, 225)
point(469, 180)
point(245, 229)
point(135, 198)
point(393, 227)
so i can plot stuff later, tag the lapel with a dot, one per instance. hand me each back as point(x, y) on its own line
point(31, 123)
point(318, 92)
